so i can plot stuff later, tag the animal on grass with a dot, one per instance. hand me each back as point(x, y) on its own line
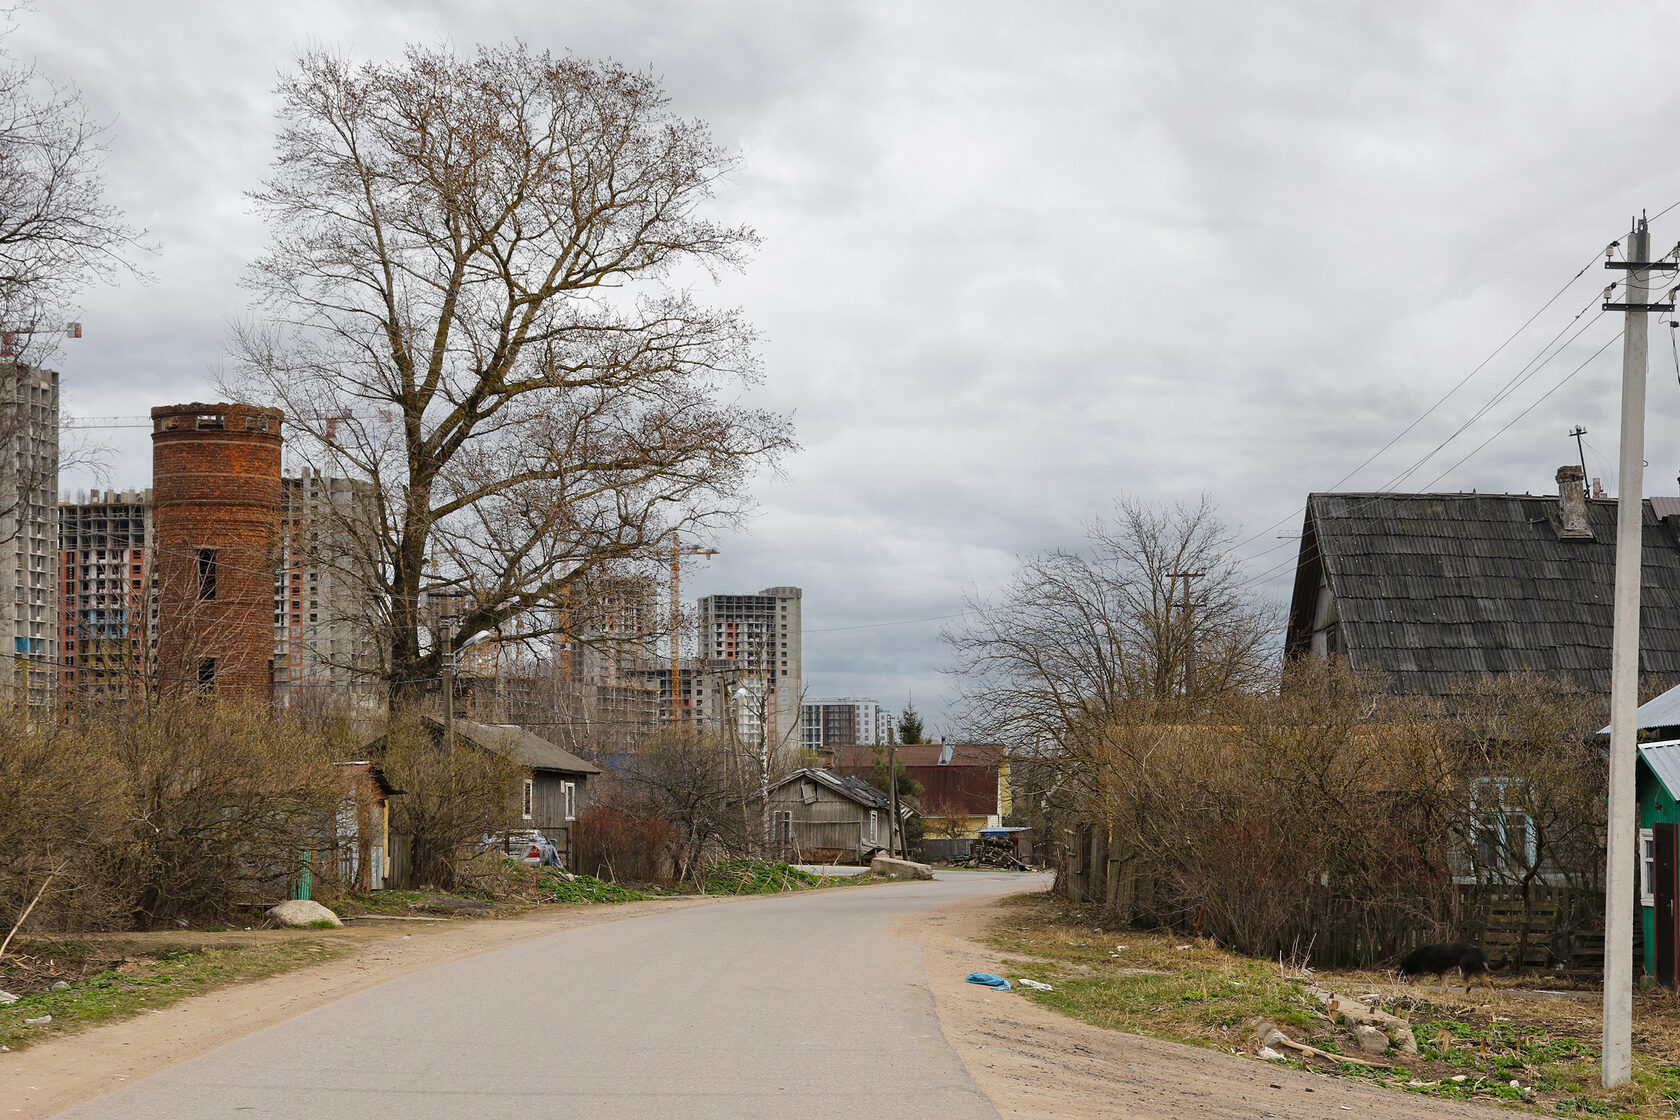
point(1440, 959)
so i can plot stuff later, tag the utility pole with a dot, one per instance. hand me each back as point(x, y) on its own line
point(1619, 896)
point(1576, 433)
point(446, 667)
point(893, 838)
point(1189, 630)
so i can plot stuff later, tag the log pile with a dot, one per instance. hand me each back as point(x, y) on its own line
point(987, 852)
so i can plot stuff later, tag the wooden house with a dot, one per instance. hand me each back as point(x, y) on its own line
point(551, 786)
point(1435, 590)
point(818, 816)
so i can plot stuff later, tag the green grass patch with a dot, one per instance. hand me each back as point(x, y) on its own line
point(162, 977)
point(1169, 987)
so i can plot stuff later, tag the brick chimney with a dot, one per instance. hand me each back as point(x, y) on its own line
point(1572, 505)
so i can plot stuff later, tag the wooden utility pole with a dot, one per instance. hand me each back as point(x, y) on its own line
point(446, 666)
point(1622, 835)
point(893, 838)
point(1189, 628)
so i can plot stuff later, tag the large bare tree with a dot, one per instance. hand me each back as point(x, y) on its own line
point(474, 295)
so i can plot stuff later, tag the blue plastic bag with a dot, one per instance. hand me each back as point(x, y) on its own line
point(990, 979)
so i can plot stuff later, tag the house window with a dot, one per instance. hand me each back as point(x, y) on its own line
point(568, 794)
point(784, 826)
point(526, 798)
point(207, 674)
point(1647, 868)
point(1503, 835)
point(206, 573)
point(874, 823)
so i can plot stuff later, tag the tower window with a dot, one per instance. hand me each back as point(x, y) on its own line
point(206, 573)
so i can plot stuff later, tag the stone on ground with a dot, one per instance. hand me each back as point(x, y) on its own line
point(302, 913)
point(900, 868)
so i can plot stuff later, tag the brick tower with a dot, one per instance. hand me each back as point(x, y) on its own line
point(216, 520)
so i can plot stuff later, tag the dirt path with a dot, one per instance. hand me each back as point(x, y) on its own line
point(52, 1076)
point(1038, 1065)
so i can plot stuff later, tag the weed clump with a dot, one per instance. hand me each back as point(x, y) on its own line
point(756, 876)
point(585, 888)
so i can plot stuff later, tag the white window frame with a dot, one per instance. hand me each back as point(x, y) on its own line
point(1498, 817)
point(874, 823)
point(527, 798)
point(568, 793)
point(784, 826)
point(1647, 867)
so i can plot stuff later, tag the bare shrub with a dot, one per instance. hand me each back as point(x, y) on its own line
point(615, 843)
point(687, 779)
point(221, 801)
point(57, 814)
point(1320, 811)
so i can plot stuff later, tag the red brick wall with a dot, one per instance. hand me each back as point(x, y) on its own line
point(216, 485)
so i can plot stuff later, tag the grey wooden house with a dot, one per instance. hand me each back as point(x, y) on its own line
point(817, 816)
point(1434, 590)
point(551, 785)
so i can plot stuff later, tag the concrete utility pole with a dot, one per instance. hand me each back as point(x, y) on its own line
point(1619, 896)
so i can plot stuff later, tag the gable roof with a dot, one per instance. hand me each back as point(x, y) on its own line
point(853, 789)
point(518, 745)
point(1664, 761)
point(1435, 589)
point(863, 758)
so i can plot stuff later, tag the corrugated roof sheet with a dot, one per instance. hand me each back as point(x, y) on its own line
point(1664, 761)
point(1434, 588)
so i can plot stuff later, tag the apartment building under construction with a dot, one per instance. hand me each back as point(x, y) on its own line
point(28, 534)
point(105, 608)
point(755, 642)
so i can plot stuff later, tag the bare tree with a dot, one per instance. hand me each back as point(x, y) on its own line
point(472, 296)
point(57, 235)
point(1149, 622)
point(57, 231)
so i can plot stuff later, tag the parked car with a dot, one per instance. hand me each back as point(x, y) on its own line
point(527, 845)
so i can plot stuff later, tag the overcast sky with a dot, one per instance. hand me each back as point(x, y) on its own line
point(1018, 260)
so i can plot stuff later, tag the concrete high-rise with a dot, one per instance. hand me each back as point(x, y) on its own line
point(849, 721)
point(323, 603)
point(755, 641)
point(28, 534)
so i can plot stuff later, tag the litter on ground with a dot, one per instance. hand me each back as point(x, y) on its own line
point(990, 979)
point(1034, 984)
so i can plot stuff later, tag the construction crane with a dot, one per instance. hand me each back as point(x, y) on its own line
point(331, 420)
point(678, 698)
point(9, 336)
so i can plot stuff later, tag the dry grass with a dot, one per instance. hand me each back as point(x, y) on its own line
point(1469, 1048)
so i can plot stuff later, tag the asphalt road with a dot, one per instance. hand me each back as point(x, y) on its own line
point(795, 1007)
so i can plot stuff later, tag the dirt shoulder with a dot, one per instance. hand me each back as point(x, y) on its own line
point(56, 1074)
point(1036, 1064)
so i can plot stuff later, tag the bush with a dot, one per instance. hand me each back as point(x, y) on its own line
point(616, 844)
point(171, 813)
